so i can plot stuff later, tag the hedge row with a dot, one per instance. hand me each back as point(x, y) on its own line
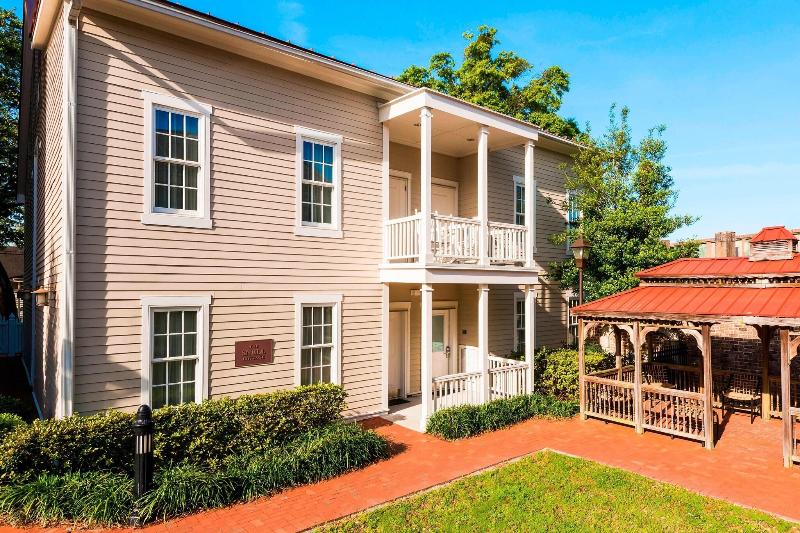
point(96, 499)
point(468, 420)
point(202, 434)
point(556, 370)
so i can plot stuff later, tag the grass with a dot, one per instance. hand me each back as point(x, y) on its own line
point(553, 492)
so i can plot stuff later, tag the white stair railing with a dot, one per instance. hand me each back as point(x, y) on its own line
point(508, 380)
point(456, 389)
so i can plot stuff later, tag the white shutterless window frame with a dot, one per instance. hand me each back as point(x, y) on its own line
point(318, 229)
point(312, 300)
point(152, 304)
point(200, 217)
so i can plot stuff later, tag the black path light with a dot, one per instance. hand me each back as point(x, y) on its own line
point(143, 455)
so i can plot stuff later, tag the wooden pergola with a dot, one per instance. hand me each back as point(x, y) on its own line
point(688, 297)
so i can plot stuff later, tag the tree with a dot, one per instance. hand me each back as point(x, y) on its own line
point(625, 195)
point(10, 66)
point(496, 81)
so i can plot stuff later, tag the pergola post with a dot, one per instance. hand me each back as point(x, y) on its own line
point(708, 387)
point(765, 335)
point(581, 369)
point(618, 351)
point(788, 436)
point(637, 378)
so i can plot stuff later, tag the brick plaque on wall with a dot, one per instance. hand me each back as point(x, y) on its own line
point(259, 352)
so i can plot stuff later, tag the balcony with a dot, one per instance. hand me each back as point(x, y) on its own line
point(454, 241)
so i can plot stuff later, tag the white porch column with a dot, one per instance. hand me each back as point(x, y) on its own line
point(483, 340)
point(425, 147)
point(530, 334)
point(426, 357)
point(483, 195)
point(530, 204)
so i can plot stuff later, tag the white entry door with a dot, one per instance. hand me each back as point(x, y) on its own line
point(444, 199)
point(441, 349)
point(397, 354)
point(398, 197)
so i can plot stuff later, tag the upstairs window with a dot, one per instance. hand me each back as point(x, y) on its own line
point(318, 184)
point(177, 162)
point(519, 323)
point(574, 215)
point(519, 200)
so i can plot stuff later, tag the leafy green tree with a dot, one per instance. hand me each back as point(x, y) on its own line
point(498, 81)
point(625, 195)
point(10, 66)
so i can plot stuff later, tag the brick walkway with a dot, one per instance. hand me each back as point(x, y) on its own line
point(745, 468)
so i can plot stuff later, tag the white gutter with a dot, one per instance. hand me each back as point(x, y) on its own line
point(66, 308)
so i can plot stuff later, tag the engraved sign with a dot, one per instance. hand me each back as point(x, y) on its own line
point(259, 352)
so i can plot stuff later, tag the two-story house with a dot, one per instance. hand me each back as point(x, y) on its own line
point(212, 211)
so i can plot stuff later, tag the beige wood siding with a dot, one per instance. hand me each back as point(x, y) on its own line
point(49, 227)
point(250, 262)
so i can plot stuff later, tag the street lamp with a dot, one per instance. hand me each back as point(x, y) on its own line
point(580, 249)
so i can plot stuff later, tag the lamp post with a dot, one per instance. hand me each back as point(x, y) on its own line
point(580, 249)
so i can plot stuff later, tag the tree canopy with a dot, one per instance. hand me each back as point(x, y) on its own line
point(625, 194)
point(10, 66)
point(502, 81)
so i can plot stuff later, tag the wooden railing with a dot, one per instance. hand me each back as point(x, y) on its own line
point(626, 374)
point(794, 413)
point(609, 399)
point(456, 389)
point(673, 411)
point(402, 238)
point(508, 380)
point(455, 239)
point(776, 406)
point(507, 243)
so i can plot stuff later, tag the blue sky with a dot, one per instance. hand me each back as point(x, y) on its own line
point(722, 76)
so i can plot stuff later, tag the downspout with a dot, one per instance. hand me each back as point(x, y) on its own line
point(67, 305)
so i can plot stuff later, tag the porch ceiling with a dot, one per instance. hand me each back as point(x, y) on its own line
point(454, 126)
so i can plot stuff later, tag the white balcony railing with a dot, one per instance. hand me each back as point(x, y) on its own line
point(507, 243)
point(455, 240)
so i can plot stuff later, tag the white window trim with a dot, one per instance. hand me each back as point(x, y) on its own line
point(310, 229)
point(519, 181)
point(170, 303)
point(335, 300)
point(568, 197)
point(571, 297)
point(202, 219)
point(518, 297)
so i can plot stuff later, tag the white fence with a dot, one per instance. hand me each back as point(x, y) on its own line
point(455, 240)
point(507, 381)
point(456, 389)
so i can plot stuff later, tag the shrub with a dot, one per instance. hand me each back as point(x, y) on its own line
point(198, 434)
point(15, 406)
point(468, 420)
point(89, 498)
point(9, 422)
point(556, 370)
point(319, 454)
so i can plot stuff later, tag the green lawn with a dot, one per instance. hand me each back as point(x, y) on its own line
point(553, 492)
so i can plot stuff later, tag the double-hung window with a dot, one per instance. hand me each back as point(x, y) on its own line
point(319, 189)
point(572, 320)
point(317, 346)
point(174, 348)
point(177, 183)
point(519, 200)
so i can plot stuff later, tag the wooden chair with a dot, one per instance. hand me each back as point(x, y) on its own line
point(743, 391)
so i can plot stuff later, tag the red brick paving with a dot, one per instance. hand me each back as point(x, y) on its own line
point(745, 468)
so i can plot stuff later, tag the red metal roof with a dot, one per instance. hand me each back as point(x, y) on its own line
point(696, 301)
point(774, 233)
point(722, 267)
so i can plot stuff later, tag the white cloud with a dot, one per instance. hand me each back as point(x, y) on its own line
point(291, 27)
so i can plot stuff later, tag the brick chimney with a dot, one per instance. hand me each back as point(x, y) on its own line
point(772, 243)
point(725, 244)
